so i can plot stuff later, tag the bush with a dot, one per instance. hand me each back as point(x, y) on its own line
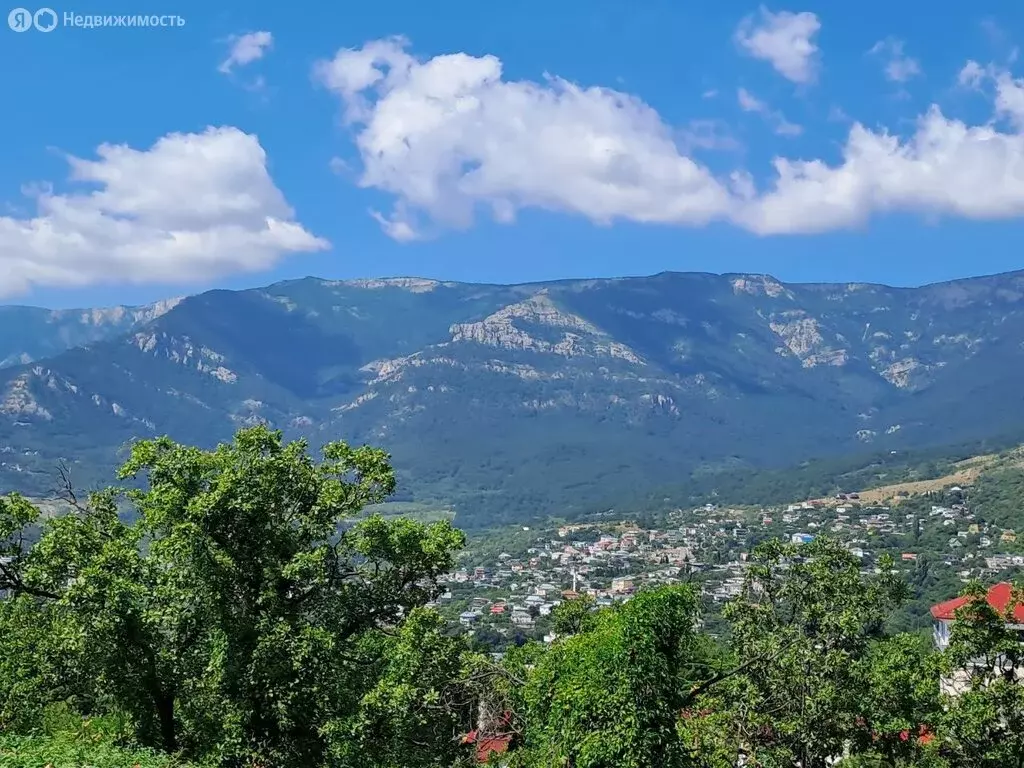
point(67, 740)
point(73, 751)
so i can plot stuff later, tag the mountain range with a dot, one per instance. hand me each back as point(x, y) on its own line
point(511, 401)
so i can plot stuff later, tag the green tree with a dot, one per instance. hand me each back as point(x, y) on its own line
point(983, 721)
point(611, 696)
point(421, 698)
point(233, 616)
point(798, 632)
point(898, 679)
point(574, 616)
point(38, 651)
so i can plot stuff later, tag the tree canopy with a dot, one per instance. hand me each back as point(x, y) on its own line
point(236, 607)
point(228, 606)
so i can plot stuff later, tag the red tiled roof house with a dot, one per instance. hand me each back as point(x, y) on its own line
point(1000, 597)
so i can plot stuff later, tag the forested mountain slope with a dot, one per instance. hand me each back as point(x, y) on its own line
point(509, 401)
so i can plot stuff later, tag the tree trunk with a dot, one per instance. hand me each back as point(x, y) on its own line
point(165, 711)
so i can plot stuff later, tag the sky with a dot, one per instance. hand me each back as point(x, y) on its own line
point(506, 142)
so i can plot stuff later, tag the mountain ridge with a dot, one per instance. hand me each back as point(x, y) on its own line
point(537, 397)
point(43, 332)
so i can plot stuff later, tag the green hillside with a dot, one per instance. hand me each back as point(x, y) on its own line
point(507, 402)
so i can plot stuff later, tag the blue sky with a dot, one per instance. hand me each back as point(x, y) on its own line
point(240, 173)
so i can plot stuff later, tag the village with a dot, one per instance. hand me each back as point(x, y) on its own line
point(510, 595)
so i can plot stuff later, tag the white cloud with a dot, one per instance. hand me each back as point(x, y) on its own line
point(1010, 98)
point(837, 114)
point(783, 39)
point(946, 167)
point(246, 49)
point(785, 128)
point(190, 208)
point(971, 75)
point(898, 66)
point(750, 103)
point(449, 136)
point(1008, 93)
point(705, 134)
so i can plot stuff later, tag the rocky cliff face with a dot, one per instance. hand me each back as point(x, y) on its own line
point(30, 333)
point(512, 396)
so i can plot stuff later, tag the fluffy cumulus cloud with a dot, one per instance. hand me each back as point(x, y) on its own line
point(785, 40)
point(245, 49)
point(945, 167)
point(449, 136)
point(191, 207)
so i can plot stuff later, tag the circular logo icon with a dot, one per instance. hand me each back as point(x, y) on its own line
point(20, 19)
point(45, 20)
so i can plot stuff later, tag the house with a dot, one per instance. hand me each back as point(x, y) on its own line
point(999, 596)
point(944, 614)
point(489, 745)
point(491, 736)
point(468, 618)
point(522, 618)
point(622, 584)
point(678, 555)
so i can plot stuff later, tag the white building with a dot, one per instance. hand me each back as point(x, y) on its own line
point(999, 596)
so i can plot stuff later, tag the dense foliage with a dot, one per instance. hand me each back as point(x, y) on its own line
point(65, 740)
point(231, 619)
point(219, 608)
point(999, 495)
